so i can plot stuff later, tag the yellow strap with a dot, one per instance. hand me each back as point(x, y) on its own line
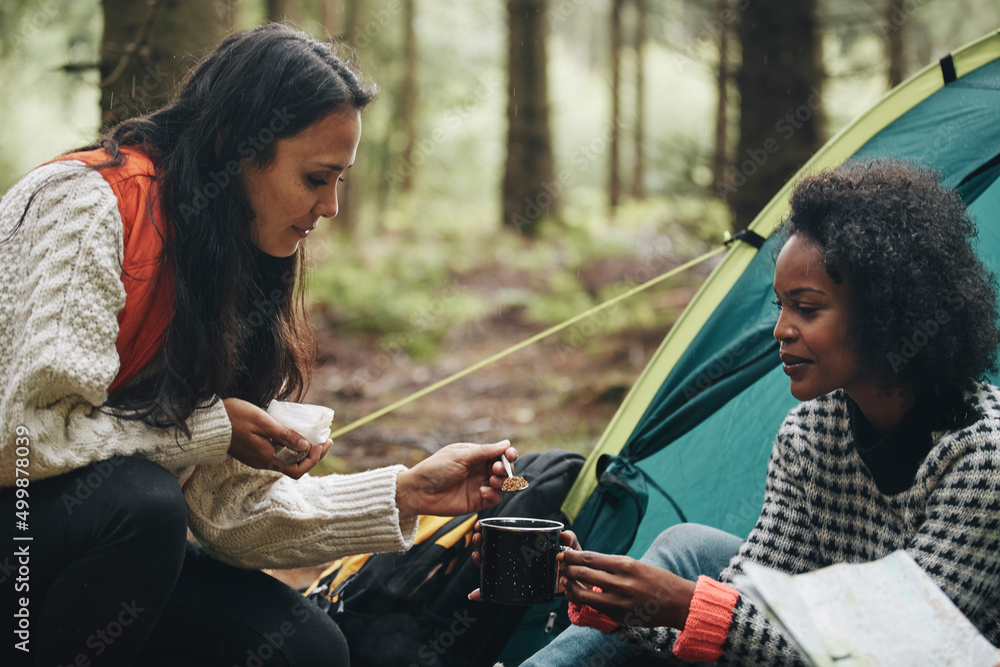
point(428, 524)
point(347, 566)
point(525, 343)
point(426, 527)
point(451, 537)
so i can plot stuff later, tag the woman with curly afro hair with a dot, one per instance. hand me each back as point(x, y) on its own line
point(887, 330)
point(923, 305)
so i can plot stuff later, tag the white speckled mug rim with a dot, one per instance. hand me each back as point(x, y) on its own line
point(494, 524)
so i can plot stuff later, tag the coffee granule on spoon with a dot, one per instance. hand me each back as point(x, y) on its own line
point(514, 484)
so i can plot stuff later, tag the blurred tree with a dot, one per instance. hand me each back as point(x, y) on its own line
point(614, 153)
point(330, 13)
point(148, 47)
point(892, 30)
point(720, 150)
point(352, 20)
point(408, 94)
point(639, 168)
point(530, 191)
point(283, 10)
point(350, 190)
point(781, 117)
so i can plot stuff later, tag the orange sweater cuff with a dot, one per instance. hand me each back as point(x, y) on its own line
point(708, 621)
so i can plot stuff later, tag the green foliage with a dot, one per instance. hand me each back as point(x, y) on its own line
point(380, 287)
point(413, 288)
point(647, 239)
point(564, 298)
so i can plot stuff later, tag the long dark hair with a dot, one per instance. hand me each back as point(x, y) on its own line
point(239, 329)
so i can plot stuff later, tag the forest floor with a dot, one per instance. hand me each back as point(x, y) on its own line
point(559, 393)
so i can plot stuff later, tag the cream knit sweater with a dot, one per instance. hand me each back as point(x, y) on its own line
point(60, 294)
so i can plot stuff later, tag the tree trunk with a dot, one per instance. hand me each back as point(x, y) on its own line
point(149, 47)
point(280, 11)
point(350, 190)
point(408, 94)
point(892, 29)
point(530, 191)
point(614, 167)
point(352, 22)
point(781, 119)
point(720, 157)
point(639, 173)
point(330, 14)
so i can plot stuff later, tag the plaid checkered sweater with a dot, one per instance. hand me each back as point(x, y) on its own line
point(829, 501)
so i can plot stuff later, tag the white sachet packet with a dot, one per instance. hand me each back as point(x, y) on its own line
point(313, 422)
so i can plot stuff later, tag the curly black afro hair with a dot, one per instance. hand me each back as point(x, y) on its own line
point(924, 303)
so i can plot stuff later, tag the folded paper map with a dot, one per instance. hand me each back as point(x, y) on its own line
point(886, 613)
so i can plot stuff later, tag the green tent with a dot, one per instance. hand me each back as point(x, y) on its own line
point(692, 438)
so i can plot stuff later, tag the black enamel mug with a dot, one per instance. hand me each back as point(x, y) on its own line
point(519, 563)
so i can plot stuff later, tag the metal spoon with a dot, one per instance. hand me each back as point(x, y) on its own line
point(512, 483)
point(506, 465)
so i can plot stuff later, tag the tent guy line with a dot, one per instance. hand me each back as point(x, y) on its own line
point(533, 339)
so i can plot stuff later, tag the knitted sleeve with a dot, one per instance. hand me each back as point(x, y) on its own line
point(256, 518)
point(59, 301)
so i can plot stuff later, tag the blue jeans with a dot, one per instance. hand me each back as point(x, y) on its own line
point(688, 550)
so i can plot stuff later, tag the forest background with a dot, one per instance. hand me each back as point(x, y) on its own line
point(525, 160)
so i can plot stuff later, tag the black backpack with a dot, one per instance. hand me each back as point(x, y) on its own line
point(411, 609)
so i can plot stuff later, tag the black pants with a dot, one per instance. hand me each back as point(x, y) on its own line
point(109, 578)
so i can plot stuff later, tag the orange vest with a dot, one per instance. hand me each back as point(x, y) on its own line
point(149, 283)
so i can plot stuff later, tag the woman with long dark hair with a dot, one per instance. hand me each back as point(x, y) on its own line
point(151, 309)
